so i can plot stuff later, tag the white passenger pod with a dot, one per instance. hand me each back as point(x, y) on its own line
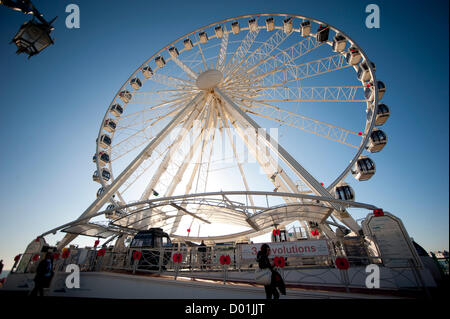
point(116, 110)
point(382, 114)
point(105, 175)
point(203, 37)
point(101, 191)
point(287, 25)
point(219, 31)
point(135, 83)
point(109, 125)
point(369, 91)
point(105, 141)
point(103, 158)
point(159, 60)
point(305, 28)
point(270, 24)
point(363, 71)
point(377, 141)
point(125, 96)
point(253, 25)
point(363, 169)
point(188, 44)
point(113, 213)
point(339, 43)
point(235, 27)
point(173, 51)
point(147, 72)
point(353, 56)
point(344, 192)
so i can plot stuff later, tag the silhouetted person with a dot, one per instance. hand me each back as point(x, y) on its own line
point(1, 266)
point(263, 260)
point(44, 274)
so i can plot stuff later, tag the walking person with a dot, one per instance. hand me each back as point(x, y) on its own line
point(263, 260)
point(1, 266)
point(44, 274)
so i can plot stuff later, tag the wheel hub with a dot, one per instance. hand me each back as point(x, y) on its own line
point(209, 79)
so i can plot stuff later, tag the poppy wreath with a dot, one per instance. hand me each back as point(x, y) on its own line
point(177, 258)
point(276, 232)
point(137, 255)
point(101, 252)
point(222, 260)
point(227, 260)
point(56, 256)
point(96, 243)
point(17, 258)
point(279, 262)
point(342, 263)
point(315, 232)
point(36, 257)
point(65, 253)
point(378, 212)
point(37, 239)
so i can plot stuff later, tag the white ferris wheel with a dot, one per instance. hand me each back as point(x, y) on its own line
point(217, 128)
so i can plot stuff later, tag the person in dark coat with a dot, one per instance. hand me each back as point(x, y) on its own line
point(44, 274)
point(263, 260)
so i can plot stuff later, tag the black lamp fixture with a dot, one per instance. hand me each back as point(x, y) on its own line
point(33, 36)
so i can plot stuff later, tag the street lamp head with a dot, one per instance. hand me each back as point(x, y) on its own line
point(32, 38)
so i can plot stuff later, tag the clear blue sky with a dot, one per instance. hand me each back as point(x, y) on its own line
point(52, 105)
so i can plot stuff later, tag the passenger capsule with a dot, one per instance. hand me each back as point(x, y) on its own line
point(113, 214)
point(252, 25)
point(173, 51)
point(147, 72)
point(203, 37)
point(125, 96)
point(270, 24)
point(287, 25)
point(235, 27)
point(105, 141)
point(105, 175)
point(322, 33)
point(363, 72)
point(188, 44)
point(219, 31)
point(369, 91)
point(136, 83)
point(116, 110)
point(104, 158)
point(353, 56)
point(382, 114)
point(305, 28)
point(101, 191)
point(339, 43)
point(344, 192)
point(159, 60)
point(109, 125)
point(363, 169)
point(377, 141)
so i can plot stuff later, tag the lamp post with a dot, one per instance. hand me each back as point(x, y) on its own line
point(33, 36)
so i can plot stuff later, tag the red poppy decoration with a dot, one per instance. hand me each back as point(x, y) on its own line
point(315, 232)
point(378, 212)
point(342, 263)
point(279, 262)
point(37, 239)
point(101, 252)
point(137, 255)
point(56, 256)
point(322, 184)
point(188, 230)
point(17, 258)
point(360, 133)
point(177, 258)
point(227, 260)
point(276, 232)
point(96, 243)
point(222, 260)
point(65, 253)
point(36, 257)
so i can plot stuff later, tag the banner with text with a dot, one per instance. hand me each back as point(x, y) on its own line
point(303, 248)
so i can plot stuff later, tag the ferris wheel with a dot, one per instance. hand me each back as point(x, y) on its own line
point(200, 116)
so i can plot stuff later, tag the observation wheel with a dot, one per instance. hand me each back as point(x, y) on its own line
point(278, 103)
